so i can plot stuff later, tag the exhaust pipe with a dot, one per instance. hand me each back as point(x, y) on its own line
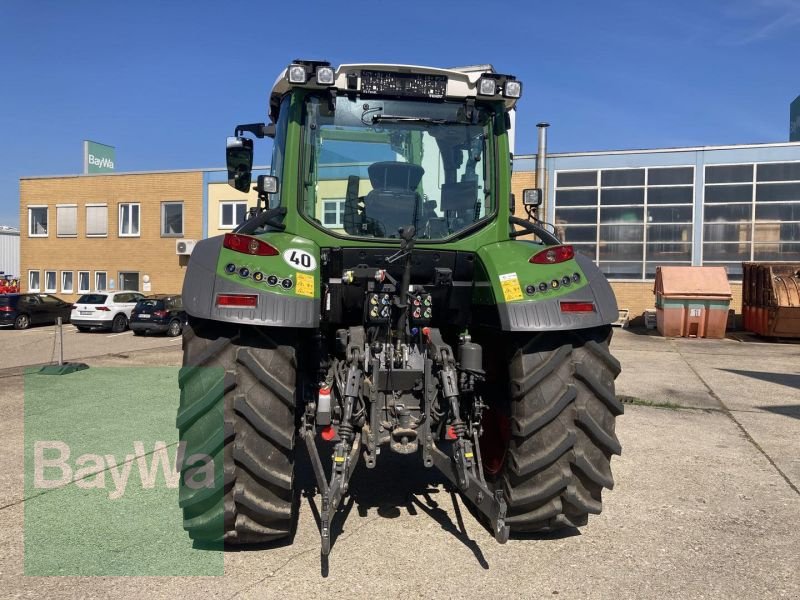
point(541, 165)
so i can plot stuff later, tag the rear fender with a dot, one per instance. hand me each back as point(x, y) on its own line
point(529, 297)
point(287, 285)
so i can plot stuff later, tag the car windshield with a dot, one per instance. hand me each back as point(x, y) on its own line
point(92, 299)
point(373, 167)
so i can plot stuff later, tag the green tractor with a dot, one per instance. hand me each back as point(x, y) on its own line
point(381, 296)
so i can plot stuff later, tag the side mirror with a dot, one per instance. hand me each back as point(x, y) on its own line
point(239, 158)
point(532, 197)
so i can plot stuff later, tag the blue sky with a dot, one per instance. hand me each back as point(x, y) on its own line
point(165, 82)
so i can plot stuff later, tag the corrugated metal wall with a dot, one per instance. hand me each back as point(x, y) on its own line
point(9, 253)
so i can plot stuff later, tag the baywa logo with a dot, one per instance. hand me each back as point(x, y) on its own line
point(53, 468)
point(103, 163)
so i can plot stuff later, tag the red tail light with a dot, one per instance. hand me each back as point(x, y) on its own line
point(577, 307)
point(237, 300)
point(105, 308)
point(247, 244)
point(553, 255)
point(160, 313)
point(6, 309)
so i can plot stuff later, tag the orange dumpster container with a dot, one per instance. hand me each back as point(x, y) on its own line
point(771, 299)
point(692, 301)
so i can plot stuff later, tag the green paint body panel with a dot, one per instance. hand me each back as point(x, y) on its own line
point(273, 265)
point(513, 258)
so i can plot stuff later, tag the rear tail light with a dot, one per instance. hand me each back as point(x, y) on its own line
point(553, 255)
point(6, 309)
point(105, 308)
point(237, 300)
point(573, 307)
point(247, 244)
point(160, 313)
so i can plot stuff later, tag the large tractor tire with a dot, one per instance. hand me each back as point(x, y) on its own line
point(556, 434)
point(241, 413)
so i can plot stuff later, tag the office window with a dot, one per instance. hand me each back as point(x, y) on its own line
point(751, 212)
point(67, 286)
point(231, 214)
point(333, 212)
point(83, 282)
point(50, 281)
point(129, 219)
point(66, 220)
point(128, 280)
point(33, 281)
point(627, 220)
point(172, 219)
point(37, 221)
point(96, 220)
point(100, 281)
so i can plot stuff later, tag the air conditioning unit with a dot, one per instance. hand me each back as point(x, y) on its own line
point(184, 247)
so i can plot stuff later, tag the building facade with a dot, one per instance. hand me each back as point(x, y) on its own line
point(630, 211)
point(108, 232)
point(9, 252)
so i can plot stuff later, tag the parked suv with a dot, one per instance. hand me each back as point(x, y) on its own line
point(160, 313)
point(105, 310)
point(24, 310)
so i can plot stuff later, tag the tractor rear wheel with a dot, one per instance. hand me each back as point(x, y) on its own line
point(550, 446)
point(238, 406)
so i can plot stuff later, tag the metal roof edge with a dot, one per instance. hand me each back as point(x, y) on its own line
point(661, 150)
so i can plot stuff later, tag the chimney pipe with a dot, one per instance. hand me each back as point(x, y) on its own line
point(541, 163)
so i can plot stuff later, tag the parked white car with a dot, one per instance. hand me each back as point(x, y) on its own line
point(104, 310)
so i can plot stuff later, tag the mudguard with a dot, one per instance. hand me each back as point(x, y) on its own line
point(529, 296)
point(287, 284)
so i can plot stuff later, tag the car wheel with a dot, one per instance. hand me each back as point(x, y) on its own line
point(22, 321)
point(174, 329)
point(119, 324)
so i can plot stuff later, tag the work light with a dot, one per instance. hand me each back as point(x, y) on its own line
point(297, 74)
point(487, 87)
point(325, 75)
point(512, 89)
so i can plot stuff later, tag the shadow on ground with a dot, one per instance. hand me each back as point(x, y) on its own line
point(788, 379)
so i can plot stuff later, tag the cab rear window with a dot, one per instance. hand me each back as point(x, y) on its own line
point(92, 299)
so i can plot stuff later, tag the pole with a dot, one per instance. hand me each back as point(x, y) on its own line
point(541, 165)
point(60, 343)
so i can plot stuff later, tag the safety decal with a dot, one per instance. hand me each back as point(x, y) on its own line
point(305, 285)
point(511, 289)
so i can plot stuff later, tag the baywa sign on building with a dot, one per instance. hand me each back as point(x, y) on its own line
point(97, 158)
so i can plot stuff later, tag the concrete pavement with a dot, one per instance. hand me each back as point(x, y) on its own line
point(706, 503)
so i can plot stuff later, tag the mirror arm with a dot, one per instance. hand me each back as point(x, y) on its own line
point(260, 130)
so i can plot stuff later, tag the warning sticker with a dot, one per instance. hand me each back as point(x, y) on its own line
point(305, 285)
point(510, 285)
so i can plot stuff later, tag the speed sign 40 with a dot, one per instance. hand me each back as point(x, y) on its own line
point(300, 259)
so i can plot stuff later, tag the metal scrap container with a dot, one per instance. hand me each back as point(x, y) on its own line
point(692, 301)
point(771, 299)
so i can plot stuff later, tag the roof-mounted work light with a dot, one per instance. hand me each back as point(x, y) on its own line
point(512, 89)
point(325, 75)
point(297, 74)
point(487, 86)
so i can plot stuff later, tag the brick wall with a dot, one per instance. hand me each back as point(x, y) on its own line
point(150, 253)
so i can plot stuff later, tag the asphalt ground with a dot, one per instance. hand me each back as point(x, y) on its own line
point(705, 505)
